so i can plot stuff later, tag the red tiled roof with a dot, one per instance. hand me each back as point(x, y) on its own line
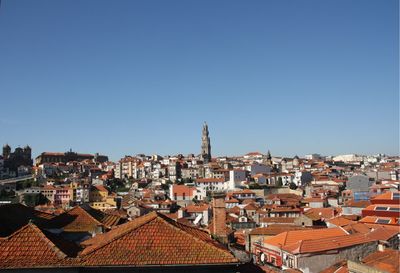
point(250, 206)
point(311, 245)
point(76, 220)
point(340, 221)
point(15, 216)
point(155, 239)
point(28, 248)
point(324, 244)
point(283, 220)
point(209, 180)
point(386, 196)
point(292, 237)
point(380, 220)
point(387, 260)
point(196, 208)
point(320, 213)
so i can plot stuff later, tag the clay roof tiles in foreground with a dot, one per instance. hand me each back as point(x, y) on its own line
point(29, 247)
point(155, 239)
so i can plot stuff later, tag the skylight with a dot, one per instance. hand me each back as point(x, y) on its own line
point(382, 221)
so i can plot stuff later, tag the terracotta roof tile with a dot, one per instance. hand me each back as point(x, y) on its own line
point(76, 220)
point(340, 221)
point(15, 216)
point(292, 237)
point(29, 247)
point(155, 239)
point(387, 260)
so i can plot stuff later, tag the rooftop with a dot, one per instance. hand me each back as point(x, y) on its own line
point(155, 239)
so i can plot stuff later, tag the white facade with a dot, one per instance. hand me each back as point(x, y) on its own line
point(258, 168)
point(236, 177)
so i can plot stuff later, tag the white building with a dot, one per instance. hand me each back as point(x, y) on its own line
point(236, 177)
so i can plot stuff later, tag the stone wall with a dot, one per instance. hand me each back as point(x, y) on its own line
point(316, 263)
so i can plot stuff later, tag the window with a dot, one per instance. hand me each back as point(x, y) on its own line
point(396, 195)
point(184, 196)
point(380, 208)
point(394, 209)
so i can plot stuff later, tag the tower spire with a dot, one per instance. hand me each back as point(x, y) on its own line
point(205, 144)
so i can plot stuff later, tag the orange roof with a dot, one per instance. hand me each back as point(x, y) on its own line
point(328, 243)
point(386, 196)
point(319, 213)
point(311, 245)
point(208, 180)
point(250, 206)
point(76, 220)
point(292, 237)
point(196, 208)
point(155, 239)
point(29, 248)
point(179, 190)
point(387, 260)
point(340, 221)
point(380, 220)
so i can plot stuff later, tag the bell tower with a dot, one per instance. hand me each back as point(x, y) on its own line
point(205, 145)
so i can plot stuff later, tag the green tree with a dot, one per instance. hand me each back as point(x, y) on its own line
point(292, 186)
point(32, 200)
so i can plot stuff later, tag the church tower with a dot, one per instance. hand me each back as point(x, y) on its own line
point(6, 151)
point(205, 145)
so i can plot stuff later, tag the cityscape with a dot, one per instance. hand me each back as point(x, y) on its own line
point(250, 213)
point(205, 136)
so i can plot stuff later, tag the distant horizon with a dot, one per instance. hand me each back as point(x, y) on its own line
point(34, 154)
point(137, 76)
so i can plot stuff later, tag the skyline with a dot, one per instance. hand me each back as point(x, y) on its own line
point(130, 77)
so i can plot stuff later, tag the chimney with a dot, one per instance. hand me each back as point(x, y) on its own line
point(219, 217)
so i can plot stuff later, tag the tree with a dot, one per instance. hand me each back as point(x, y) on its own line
point(292, 186)
point(32, 200)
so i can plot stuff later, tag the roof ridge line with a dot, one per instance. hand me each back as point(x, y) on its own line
point(42, 236)
point(225, 251)
point(87, 214)
point(119, 235)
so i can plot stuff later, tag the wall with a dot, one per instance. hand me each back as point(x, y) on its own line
point(316, 263)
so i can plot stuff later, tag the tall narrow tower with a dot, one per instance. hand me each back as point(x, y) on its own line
point(205, 145)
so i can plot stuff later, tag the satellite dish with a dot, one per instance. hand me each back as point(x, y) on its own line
point(262, 257)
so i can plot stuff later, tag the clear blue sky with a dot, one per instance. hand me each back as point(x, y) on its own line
point(128, 77)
